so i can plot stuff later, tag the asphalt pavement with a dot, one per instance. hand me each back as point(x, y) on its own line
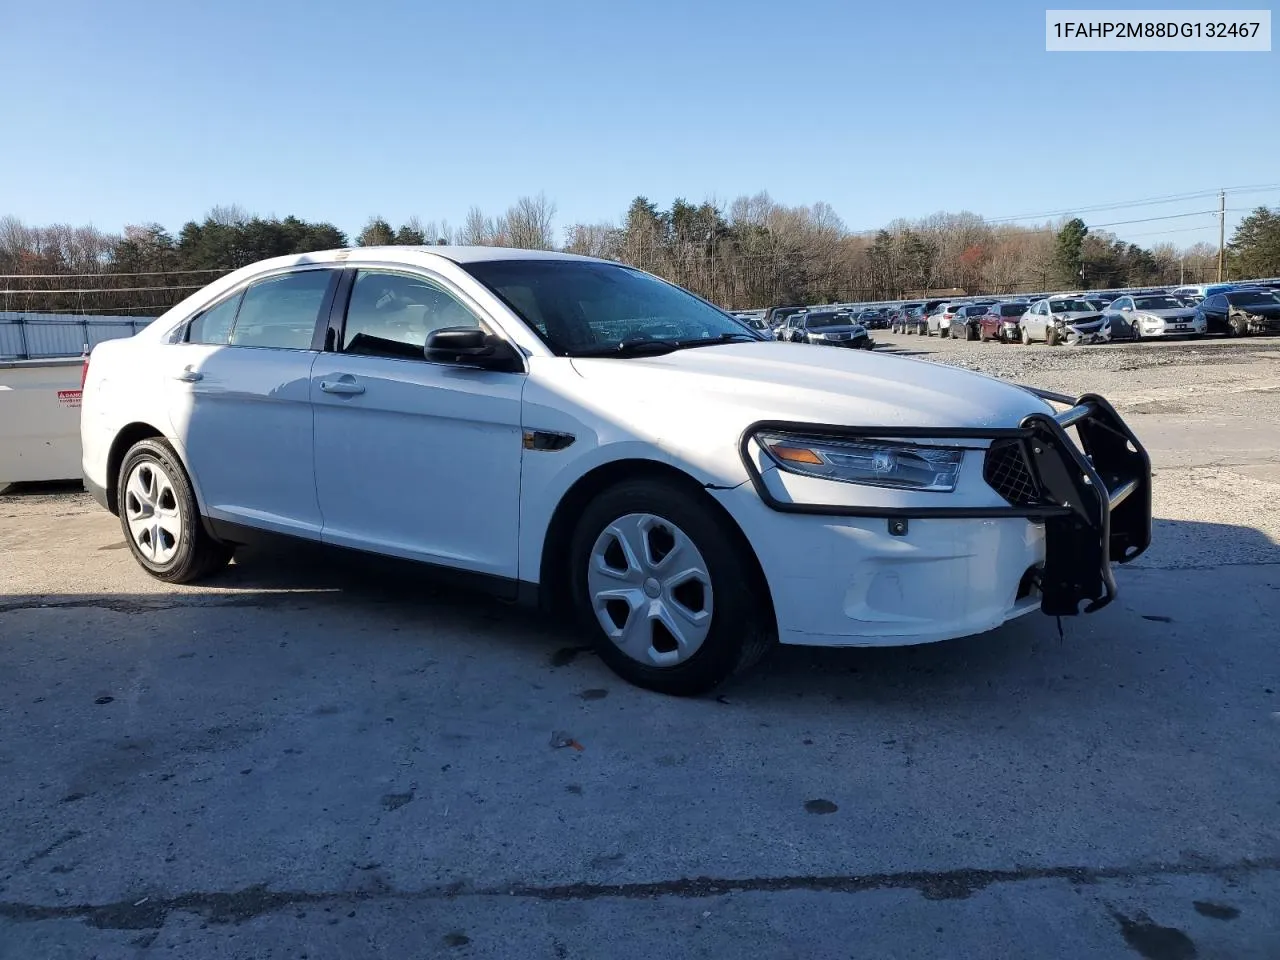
point(319, 756)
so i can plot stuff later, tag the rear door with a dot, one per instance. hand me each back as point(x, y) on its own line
point(237, 379)
point(1036, 320)
point(413, 458)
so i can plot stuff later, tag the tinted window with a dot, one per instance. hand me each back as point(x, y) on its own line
point(1157, 303)
point(828, 320)
point(581, 306)
point(214, 325)
point(390, 314)
point(1215, 303)
point(281, 312)
point(1246, 299)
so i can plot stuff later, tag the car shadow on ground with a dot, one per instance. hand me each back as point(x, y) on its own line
point(398, 599)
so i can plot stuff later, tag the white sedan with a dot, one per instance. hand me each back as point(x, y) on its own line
point(581, 434)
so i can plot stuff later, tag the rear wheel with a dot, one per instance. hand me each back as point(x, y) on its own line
point(665, 589)
point(159, 516)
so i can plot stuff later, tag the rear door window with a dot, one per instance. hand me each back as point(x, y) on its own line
point(282, 312)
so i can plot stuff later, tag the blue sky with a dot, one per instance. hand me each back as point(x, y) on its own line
point(128, 112)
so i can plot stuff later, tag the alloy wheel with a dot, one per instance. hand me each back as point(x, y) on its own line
point(152, 511)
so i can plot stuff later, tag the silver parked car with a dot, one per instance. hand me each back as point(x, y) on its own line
point(1059, 319)
point(1152, 315)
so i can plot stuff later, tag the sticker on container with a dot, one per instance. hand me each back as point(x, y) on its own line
point(69, 398)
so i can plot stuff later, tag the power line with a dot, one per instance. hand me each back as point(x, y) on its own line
point(138, 273)
point(26, 293)
point(1147, 201)
point(1171, 216)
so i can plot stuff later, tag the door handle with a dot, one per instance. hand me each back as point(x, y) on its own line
point(346, 386)
point(189, 376)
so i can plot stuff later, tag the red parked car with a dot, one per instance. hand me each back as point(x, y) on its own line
point(1000, 322)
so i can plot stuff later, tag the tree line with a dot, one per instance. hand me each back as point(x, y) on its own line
point(752, 252)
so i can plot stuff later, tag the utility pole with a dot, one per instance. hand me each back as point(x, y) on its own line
point(1222, 229)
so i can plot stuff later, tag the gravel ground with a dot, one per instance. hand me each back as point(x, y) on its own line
point(322, 758)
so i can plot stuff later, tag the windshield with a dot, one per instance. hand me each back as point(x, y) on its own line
point(1070, 306)
point(1245, 299)
point(827, 320)
point(587, 307)
point(1157, 303)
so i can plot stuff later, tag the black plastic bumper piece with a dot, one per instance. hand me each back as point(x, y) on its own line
point(1094, 497)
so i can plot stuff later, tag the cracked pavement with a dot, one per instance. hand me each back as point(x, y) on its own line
point(320, 756)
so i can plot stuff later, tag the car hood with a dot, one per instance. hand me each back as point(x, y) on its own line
point(1088, 325)
point(744, 382)
point(1261, 309)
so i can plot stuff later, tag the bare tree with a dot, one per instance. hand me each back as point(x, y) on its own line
point(528, 223)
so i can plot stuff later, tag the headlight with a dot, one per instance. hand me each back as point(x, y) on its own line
point(870, 462)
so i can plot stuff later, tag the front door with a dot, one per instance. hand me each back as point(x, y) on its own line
point(413, 458)
point(238, 380)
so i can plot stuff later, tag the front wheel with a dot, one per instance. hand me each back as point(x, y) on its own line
point(664, 588)
point(159, 516)
point(1026, 337)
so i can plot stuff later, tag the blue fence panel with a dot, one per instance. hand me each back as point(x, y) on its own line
point(31, 336)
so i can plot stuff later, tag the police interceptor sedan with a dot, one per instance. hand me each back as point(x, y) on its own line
point(580, 434)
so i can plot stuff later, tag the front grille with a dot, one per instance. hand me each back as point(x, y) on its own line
point(1006, 470)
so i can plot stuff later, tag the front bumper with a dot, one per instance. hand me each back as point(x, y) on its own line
point(856, 343)
point(1171, 328)
point(891, 575)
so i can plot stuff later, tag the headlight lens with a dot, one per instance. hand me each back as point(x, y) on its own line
point(870, 462)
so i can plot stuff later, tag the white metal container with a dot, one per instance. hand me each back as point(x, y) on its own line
point(40, 419)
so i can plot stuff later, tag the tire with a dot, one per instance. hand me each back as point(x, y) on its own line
point(159, 517)
point(1026, 336)
point(1239, 326)
point(970, 334)
point(614, 543)
point(1051, 336)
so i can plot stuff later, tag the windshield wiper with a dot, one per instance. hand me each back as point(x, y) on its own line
point(646, 346)
point(634, 347)
point(710, 341)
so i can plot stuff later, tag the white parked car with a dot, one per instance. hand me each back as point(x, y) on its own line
point(580, 433)
point(1152, 315)
point(1058, 319)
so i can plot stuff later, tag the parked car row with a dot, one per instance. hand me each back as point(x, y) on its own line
point(1093, 316)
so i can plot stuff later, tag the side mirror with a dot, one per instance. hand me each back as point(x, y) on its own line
point(471, 347)
point(1126, 309)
